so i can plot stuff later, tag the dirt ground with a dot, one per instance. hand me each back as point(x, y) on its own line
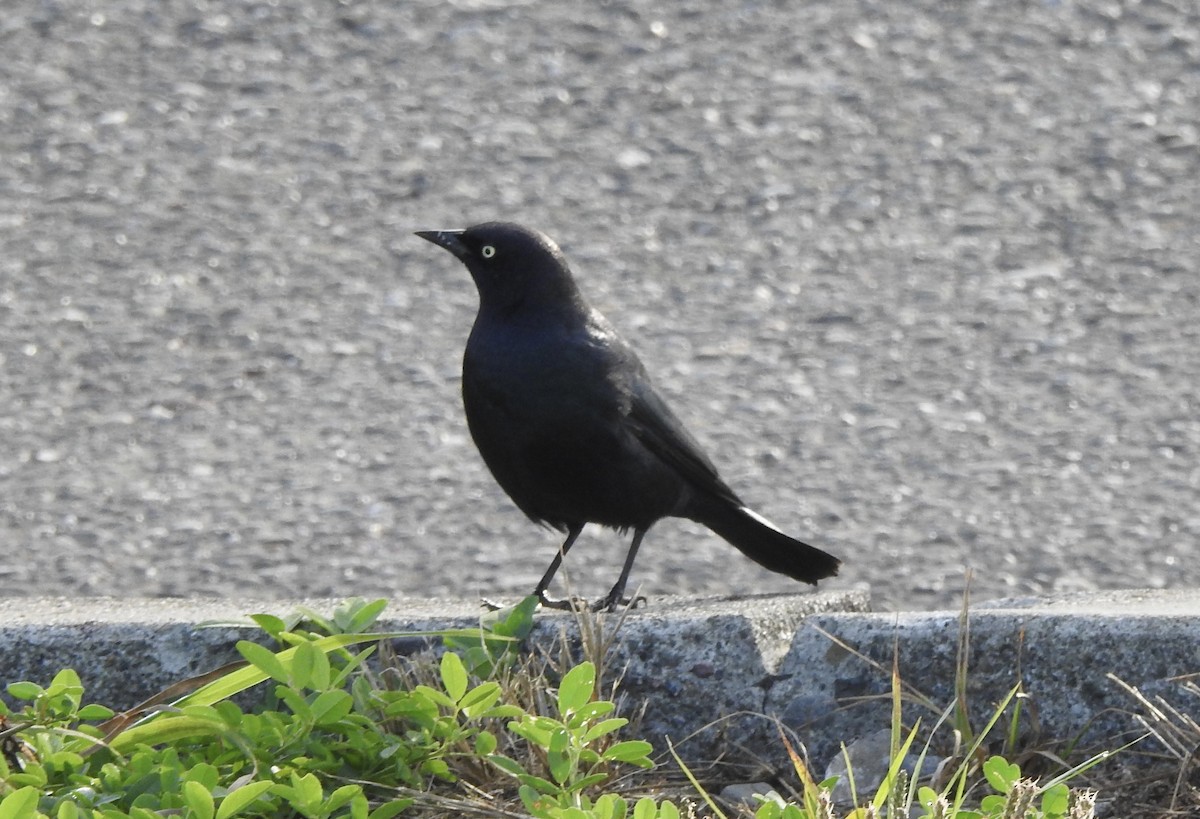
point(924, 278)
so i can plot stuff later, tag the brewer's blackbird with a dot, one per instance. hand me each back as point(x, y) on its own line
point(566, 417)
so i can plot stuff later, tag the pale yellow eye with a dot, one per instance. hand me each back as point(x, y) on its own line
point(487, 251)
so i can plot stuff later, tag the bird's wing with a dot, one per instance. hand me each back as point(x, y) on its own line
point(663, 434)
point(648, 417)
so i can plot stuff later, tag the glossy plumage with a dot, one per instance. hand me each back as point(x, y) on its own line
point(568, 421)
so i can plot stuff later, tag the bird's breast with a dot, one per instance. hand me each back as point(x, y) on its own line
point(549, 411)
point(542, 371)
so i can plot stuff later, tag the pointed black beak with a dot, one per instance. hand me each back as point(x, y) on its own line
point(449, 239)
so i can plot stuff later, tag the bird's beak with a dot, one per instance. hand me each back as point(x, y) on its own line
point(449, 239)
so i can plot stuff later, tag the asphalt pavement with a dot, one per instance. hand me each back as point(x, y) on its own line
point(923, 277)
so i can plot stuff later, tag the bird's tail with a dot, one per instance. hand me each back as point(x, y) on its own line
point(759, 539)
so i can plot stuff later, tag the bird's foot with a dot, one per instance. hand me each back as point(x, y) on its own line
point(564, 604)
point(612, 602)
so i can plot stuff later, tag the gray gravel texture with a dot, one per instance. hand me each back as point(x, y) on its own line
point(922, 276)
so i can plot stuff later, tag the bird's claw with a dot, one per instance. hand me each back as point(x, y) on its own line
point(577, 604)
point(564, 604)
point(613, 602)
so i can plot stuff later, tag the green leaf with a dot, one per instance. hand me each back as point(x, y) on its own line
point(24, 690)
point(632, 751)
point(606, 727)
point(338, 680)
point(269, 623)
point(540, 785)
point(67, 678)
point(512, 622)
point(645, 809)
point(437, 767)
point(204, 774)
point(591, 710)
point(341, 796)
point(537, 730)
point(207, 712)
point(34, 775)
point(238, 799)
point(307, 790)
point(331, 706)
point(558, 739)
point(264, 660)
point(527, 780)
point(94, 711)
point(320, 672)
point(587, 782)
point(611, 806)
point(485, 743)
point(295, 703)
point(165, 729)
point(1001, 774)
point(993, 804)
point(508, 765)
point(500, 712)
point(415, 707)
point(560, 765)
point(198, 799)
point(531, 799)
point(477, 659)
point(438, 697)
point(302, 665)
point(323, 623)
point(365, 615)
point(1056, 801)
point(480, 698)
point(389, 809)
point(454, 675)
point(576, 688)
point(20, 804)
point(344, 614)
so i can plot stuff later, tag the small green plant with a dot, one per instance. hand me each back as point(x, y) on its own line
point(1016, 796)
point(327, 744)
point(575, 747)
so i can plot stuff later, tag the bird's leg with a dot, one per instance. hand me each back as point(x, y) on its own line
point(544, 583)
point(616, 597)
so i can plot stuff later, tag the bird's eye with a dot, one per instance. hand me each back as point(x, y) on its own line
point(487, 251)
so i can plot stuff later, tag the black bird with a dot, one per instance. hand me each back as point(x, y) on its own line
point(565, 416)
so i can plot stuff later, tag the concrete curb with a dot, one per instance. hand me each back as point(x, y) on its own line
point(1060, 650)
point(708, 670)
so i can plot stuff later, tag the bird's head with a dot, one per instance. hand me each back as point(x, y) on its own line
point(513, 266)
